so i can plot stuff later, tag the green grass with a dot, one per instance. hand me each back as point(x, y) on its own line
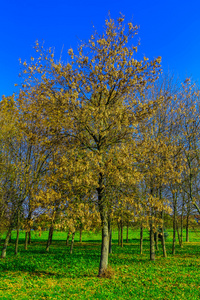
point(35, 274)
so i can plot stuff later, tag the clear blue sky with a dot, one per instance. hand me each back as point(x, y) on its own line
point(168, 28)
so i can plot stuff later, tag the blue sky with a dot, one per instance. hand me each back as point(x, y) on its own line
point(168, 28)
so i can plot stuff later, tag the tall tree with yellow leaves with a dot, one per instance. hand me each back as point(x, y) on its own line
point(108, 80)
point(94, 103)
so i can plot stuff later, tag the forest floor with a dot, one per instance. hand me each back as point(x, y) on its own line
point(35, 274)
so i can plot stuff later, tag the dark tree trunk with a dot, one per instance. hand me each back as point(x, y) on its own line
point(182, 213)
point(17, 241)
point(187, 228)
point(49, 241)
point(110, 242)
point(29, 237)
point(72, 243)
point(152, 242)
point(162, 227)
point(67, 240)
point(110, 235)
point(26, 241)
point(80, 239)
point(119, 235)
point(3, 253)
point(10, 239)
point(182, 229)
point(127, 228)
point(28, 225)
point(122, 239)
point(141, 239)
point(156, 239)
point(163, 237)
point(179, 237)
point(174, 224)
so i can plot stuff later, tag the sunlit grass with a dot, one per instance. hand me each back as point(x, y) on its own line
point(35, 274)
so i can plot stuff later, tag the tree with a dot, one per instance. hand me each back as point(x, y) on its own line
point(108, 80)
point(94, 103)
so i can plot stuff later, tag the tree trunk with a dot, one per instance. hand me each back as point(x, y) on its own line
point(187, 228)
point(3, 253)
point(179, 237)
point(29, 237)
point(10, 239)
point(122, 239)
point(162, 227)
point(80, 239)
point(152, 242)
point(67, 240)
point(104, 249)
point(141, 239)
point(181, 229)
point(104, 223)
point(17, 241)
point(72, 242)
point(163, 237)
point(49, 241)
point(174, 225)
point(26, 241)
point(110, 236)
point(156, 239)
point(119, 236)
point(127, 228)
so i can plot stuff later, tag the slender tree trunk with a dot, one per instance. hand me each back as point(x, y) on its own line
point(49, 241)
point(156, 232)
point(152, 242)
point(181, 229)
point(72, 242)
point(29, 237)
point(17, 241)
point(127, 228)
point(179, 237)
point(182, 212)
point(110, 242)
point(26, 241)
point(110, 236)
point(122, 239)
point(80, 239)
point(187, 228)
point(156, 240)
point(119, 235)
point(162, 227)
point(104, 223)
point(141, 238)
point(17, 237)
point(163, 237)
point(10, 239)
point(3, 253)
point(67, 240)
point(174, 224)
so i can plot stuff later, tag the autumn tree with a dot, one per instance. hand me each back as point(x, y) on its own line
point(93, 104)
point(23, 161)
point(107, 79)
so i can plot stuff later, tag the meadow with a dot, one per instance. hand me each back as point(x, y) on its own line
point(36, 274)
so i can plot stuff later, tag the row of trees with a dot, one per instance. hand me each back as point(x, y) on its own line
point(99, 139)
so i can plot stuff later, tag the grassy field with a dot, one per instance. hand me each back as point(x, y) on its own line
point(35, 274)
